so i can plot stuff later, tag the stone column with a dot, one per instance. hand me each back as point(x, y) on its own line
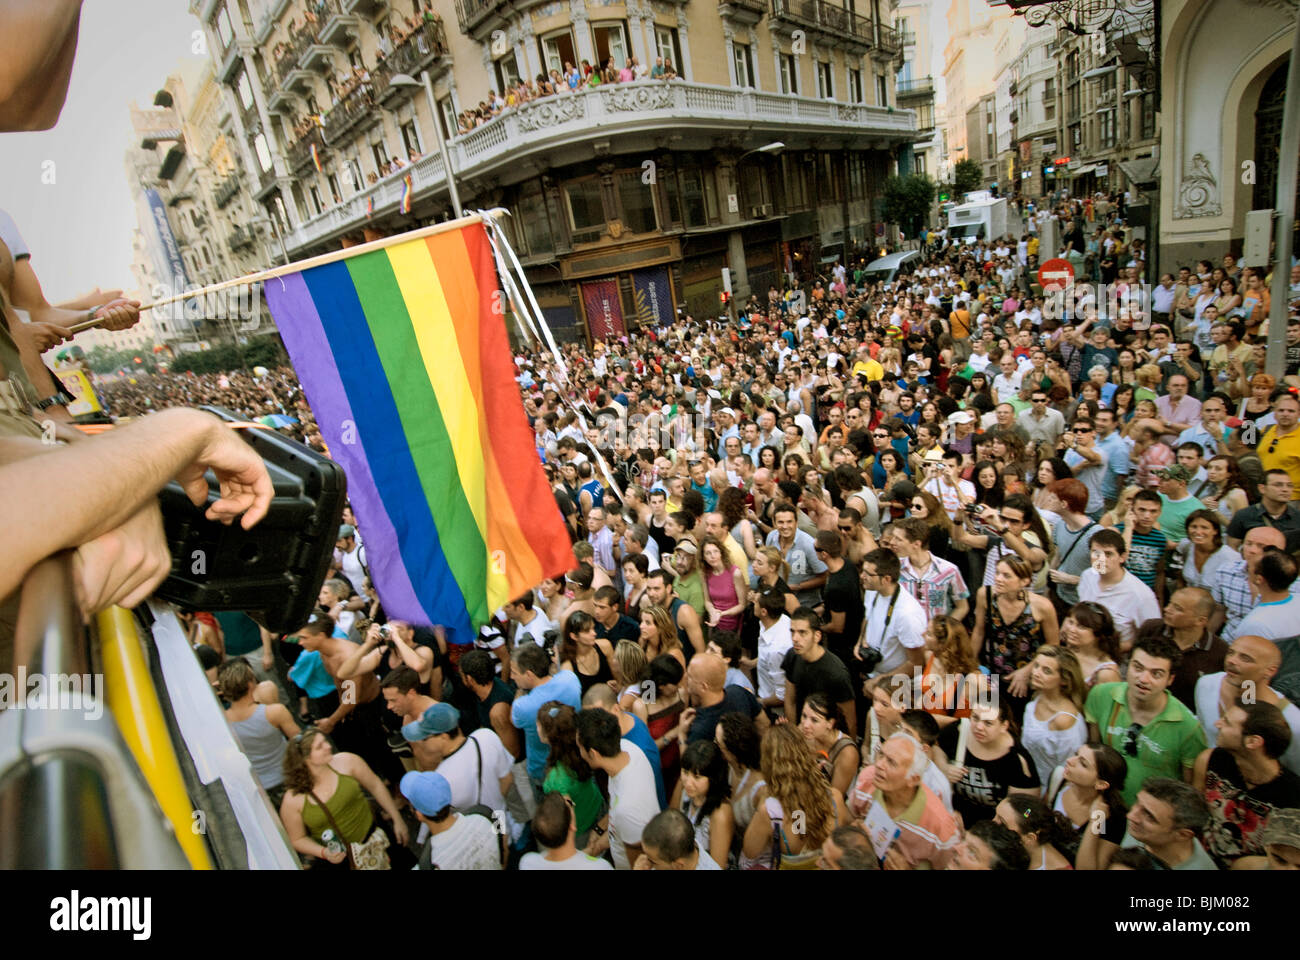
point(729, 35)
point(684, 68)
point(582, 33)
point(637, 31)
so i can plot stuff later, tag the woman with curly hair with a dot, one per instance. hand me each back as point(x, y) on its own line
point(731, 504)
point(944, 687)
point(566, 772)
point(795, 784)
point(326, 791)
point(703, 794)
point(737, 737)
point(659, 635)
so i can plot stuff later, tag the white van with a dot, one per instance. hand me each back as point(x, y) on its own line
point(888, 268)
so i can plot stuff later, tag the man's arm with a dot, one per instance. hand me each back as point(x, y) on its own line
point(67, 497)
point(789, 702)
point(689, 621)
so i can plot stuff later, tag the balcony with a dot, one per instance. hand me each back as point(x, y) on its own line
point(417, 53)
point(226, 191)
point(278, 100)
point(317, 57)
point(917, 88)
point(350, 111)
point(300, 153)
point(266, 184)
point(832, 22)
point(743, 11)
point(628, 116)
point(367, 8)
point(286, 59)
point(240, 238)
point(907, 38)
point(269, 22)
point(475, 14)
point(888, 43)
point(231, 62)
point(337, 27)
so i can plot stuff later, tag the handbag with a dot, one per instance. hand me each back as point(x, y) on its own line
point(369, 855)
point(1051, 584)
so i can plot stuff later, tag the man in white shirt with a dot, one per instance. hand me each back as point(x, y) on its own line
point(350, 558)
point(1006, 385)
point(456, 841)
point(531, 624)
point(895, 622)
point(773, 644)
point(1129, 600)
point(555, 829)
point(948, 482)
point(1251, 662)
point(979, 359)
point(633, 801)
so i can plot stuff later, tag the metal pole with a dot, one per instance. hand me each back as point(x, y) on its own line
point(284, 252)
point(442, 145)
point(1289, 152)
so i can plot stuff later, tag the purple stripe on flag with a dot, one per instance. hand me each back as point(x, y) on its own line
point(304, 336)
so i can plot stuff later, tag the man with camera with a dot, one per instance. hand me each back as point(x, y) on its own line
point(893, 635)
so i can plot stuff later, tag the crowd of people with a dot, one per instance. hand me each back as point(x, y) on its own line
point(945, 572)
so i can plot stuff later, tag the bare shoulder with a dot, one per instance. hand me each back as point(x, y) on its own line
point(348, 763)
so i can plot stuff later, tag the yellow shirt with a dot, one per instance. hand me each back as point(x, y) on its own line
point(1284, 454)
point(1033, 247)
point(870, 368)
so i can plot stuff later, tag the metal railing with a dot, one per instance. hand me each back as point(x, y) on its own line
point(915, 87)
point(348, 113)
point(416, 53)
point(72, 795)
point(824, 16)
point(226, 191)
point(287, 61)
point(471, 13)
point(300, 151)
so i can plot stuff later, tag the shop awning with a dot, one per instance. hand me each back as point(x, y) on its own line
point(1082, 170)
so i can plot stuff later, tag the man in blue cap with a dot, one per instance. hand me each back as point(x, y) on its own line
point(476, 767)
point(456, 841)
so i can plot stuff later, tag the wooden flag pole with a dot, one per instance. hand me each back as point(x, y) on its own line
point(324, 258)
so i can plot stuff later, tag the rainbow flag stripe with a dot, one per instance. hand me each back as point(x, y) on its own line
point(315, 158)
point(410, 375)
point(408, 190)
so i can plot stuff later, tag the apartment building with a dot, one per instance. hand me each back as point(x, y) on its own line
point(765, 155)
point(969, 69)
point(915, 86)
point(1032, 101)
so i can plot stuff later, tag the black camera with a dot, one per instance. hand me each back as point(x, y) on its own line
point(871, 658)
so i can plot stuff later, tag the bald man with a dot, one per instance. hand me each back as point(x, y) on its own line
point(1249, 667)
point(1232, 591)
point(710, 698)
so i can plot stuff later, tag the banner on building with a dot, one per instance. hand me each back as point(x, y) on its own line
point(600, 300)
point(165, 253)
point(653, 296)
point(1025, 147)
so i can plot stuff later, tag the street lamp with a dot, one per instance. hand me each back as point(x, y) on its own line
point(406, 80)
point(775, 147)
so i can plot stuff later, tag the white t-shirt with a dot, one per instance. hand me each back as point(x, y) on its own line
point(1206, 696)
point(579, 861)
point(472, 844)
point(705, 861)
point(905, 630)
point(534, 630)
point(351, 564)
point(1130, 602)
point(946, 493)
point(462, 771)
point(633, 802)
point(773, 644)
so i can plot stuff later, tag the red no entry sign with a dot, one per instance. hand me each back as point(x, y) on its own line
point(1055, 274)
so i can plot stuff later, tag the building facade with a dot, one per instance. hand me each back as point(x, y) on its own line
point(975, 31)
point(626, 200)
point(1220, 128)
point(915, 86)
point(1032, 90)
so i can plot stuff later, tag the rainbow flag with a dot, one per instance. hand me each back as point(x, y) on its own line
point(315, 157)
point(408, 190)
point(370, 206)
point(408, 369)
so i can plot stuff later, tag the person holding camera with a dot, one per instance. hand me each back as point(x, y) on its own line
point(893, 636)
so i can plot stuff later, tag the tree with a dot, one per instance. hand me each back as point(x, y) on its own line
point(906, 201)
point(967, 176)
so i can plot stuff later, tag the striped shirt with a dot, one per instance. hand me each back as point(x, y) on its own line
point(1232, 590)
point(937, 589)
point(1144, 554)
point(927, 831)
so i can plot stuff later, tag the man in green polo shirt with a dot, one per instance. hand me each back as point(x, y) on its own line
point(1155, 733)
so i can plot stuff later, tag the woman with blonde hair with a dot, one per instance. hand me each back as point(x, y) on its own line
point(631, 671)
point(1149, 378)
point(659, 634)
point(1119, 513)
point(1053, 726)
point(795, 785)
point(770, 573)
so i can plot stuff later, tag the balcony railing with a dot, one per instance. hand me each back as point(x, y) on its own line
point(544, 126)
point(472, 13)
point(241, 237)
point(823, 16)
point(907, 37)
point(335, 23)
point(348, 113)
point(416, 53)
point(300, 151)
point(888, 40)
point(916, 87)
point(226, 191)
point(287, 60)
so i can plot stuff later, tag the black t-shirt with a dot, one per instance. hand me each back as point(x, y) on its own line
point(826, 675)
point(625, 628)
point(843, 593)
point(734, 700)
point(987, 782)
point(500, 693)
point(666, 543)
point(780, 588)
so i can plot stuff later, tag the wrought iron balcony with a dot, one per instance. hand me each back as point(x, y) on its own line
point(472, 14)
point(416, 53)
point(888, 41)
point(300, 151)
point(917, 88)
point(226, 191)
point(824, 17)
point(241, 237)
point(348, 113)
point(743, 11)
point(336, 26)
point(286, 61)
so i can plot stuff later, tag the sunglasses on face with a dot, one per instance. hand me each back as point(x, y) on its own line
point(1131, 740)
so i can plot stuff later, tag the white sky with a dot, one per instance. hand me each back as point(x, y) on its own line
point(79, 228)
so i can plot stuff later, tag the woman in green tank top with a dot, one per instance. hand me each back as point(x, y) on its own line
point(313, 775)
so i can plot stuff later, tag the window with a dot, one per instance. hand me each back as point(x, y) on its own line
point(789, 75)
point(672, 198)
point(1107, 128)
point(532, 222)
point(315, 201)
point(224, 29)
point(586, 211)
point(610, 41)
point(410, 139)
point(918, 163)
point(450, 125)
point(637, 202)
point(245, 90)
point(336, 191)
point(699, 202)
point(1148, 116)
point(557, 50)
point(668, 47)
point(855, 85)
point(507, 71)
point(1076, 138)
point(355, 174)
point(379, 151)
point(744, 61)
point(882, 90)
point(354, 58)
point(1049, 99)
point(1072, 101)
point(207, 255)
point(825, 89)
point(263, 152)
point(1072, 65)
point(794, 174)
